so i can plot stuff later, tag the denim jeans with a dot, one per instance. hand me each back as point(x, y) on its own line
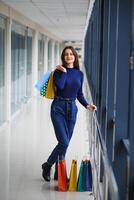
point(63, 116)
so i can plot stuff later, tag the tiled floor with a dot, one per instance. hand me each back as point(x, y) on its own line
point(25, 145)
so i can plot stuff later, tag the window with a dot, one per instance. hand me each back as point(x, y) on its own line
point(21, 65)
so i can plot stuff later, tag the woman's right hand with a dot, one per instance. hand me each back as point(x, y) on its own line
point(61, 68)
point(91, 107)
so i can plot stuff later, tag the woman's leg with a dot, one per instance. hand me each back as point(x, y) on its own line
point(61, 132)
point(63, 117)
point(70, 126)
point(71, 119)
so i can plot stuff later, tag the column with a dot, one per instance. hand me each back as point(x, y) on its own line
point(34, 61)
point(46, 39)
point(8, 69)
point(58, 60)
point(53, 56)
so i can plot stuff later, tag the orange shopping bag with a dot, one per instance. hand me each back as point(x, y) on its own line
point(62, 176)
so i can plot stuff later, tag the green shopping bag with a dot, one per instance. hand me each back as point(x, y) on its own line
point(81, 184)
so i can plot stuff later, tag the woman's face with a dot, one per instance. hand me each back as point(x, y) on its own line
point(69, 57)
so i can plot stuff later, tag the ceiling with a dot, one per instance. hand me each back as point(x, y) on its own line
point(64, 18)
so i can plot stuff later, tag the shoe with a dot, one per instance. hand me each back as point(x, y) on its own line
point(46, 167)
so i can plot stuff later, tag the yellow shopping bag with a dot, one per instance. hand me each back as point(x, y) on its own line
point(73, 176)
point(50, 90)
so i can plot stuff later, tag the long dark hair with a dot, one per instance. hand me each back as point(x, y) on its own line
point(76, 61)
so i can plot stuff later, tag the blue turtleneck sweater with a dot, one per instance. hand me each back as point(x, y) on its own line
point(69, 84)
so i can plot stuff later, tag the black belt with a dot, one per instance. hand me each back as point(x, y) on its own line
point(64, 99)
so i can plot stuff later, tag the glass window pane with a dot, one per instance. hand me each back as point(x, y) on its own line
point(18, 66)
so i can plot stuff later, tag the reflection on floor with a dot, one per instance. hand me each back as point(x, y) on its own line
point(26, 143)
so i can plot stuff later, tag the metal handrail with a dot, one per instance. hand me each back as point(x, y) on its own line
point(113, 188)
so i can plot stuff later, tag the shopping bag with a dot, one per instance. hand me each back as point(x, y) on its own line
point(46, 85)
point(88, 176)
point(40, 84)
point(82, 178)
point(62, 176)
point(85, 177)
point(50, 89)
point(73, 176)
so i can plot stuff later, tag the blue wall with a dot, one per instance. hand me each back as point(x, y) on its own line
point(108, 48)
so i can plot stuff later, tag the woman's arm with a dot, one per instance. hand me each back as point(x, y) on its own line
point(82, 100)
point(60, 75)
point(80, 95)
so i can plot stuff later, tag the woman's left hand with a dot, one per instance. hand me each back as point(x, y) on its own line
point(91, 107)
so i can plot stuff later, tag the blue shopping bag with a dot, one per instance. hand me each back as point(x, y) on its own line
point(40, 84)
point(88, 176)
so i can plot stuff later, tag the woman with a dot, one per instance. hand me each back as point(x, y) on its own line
point(68, 80)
